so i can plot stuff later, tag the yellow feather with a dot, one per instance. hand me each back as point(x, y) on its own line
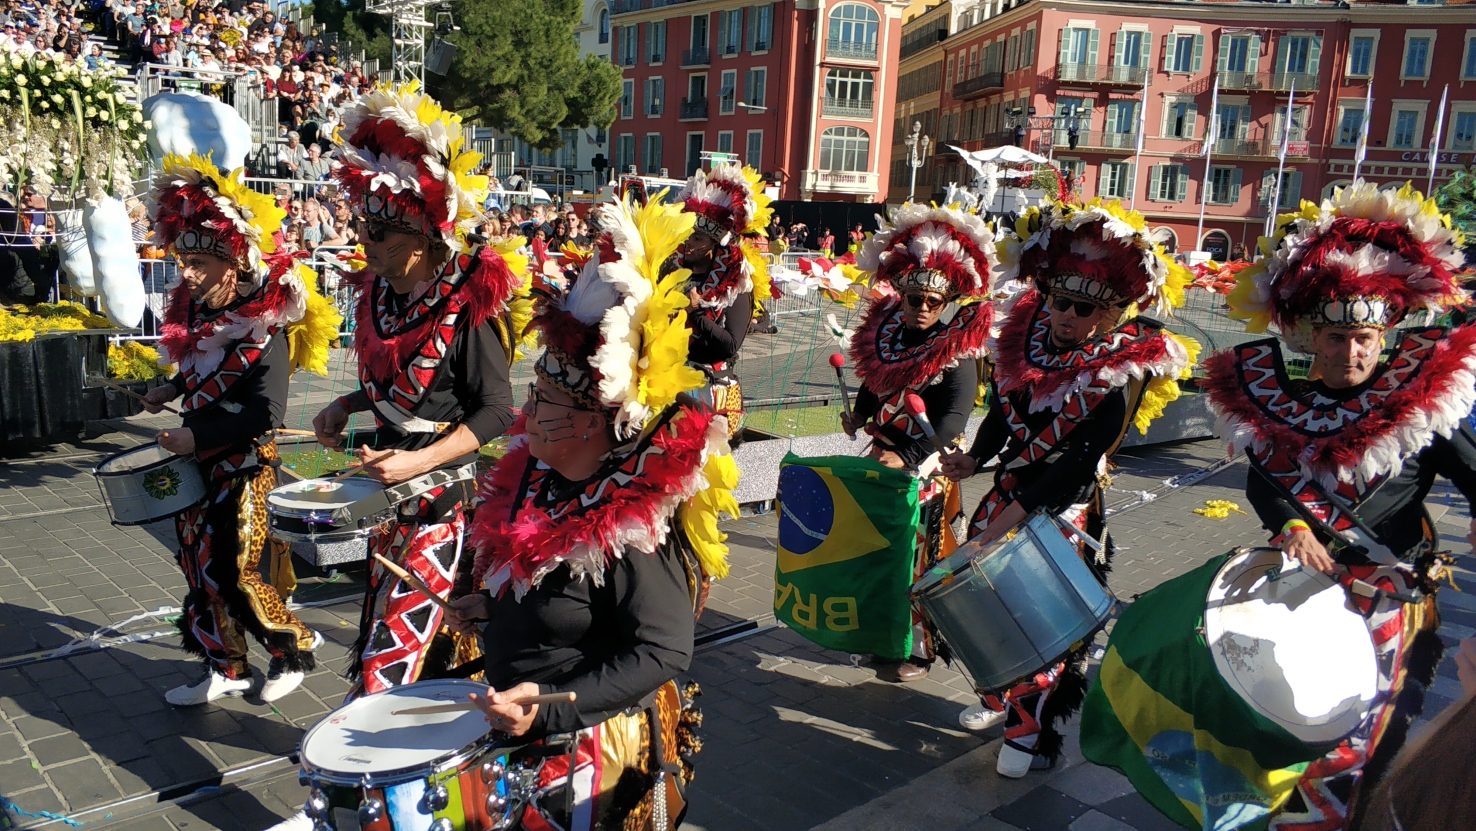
point(699, 515)
point(308, 339)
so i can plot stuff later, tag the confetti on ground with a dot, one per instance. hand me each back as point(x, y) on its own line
point(1218, 508)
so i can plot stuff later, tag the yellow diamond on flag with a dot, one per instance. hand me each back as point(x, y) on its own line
point(820, 522)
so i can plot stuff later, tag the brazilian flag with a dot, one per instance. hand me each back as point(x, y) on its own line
point(1159, 713)
point(847, 538)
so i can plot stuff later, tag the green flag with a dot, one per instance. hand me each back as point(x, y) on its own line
point(847, 539)
point(1159, 713)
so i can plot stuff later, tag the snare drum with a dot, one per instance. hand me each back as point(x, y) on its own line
point(147, 484)
point(372, 770)
point(1016, 606)
point(325, 511)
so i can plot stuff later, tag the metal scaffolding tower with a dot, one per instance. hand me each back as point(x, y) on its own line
point(408, 34)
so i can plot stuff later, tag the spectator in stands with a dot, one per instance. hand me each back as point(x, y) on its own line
point(827, 242)
point(317, 227)
point(290, 157)
point(316, 167)
point(344, 233)
point(561, 234)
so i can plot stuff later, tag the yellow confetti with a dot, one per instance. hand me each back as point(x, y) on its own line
point(1218, 508)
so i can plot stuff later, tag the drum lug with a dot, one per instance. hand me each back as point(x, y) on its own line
point(436, 796)
point(316, 805)
point(496, 804)
point(442, 824)
point(492, 771)
point(371, 810)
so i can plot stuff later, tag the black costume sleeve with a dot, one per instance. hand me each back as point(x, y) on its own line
point(654, 621)
point(1273, 509)
point(993, 434)
point(1076, 469)
point(865, 404)
point(949, 403)
point(713, 343)
point(481, 382)
point(261, 395)
point(1457, 457)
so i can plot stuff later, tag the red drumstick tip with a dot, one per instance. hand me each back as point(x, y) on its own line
point(837, 360)
point(915, 406)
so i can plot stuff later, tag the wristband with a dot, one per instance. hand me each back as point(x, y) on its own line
point(1294, 525)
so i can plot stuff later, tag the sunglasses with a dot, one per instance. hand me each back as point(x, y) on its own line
point(1083, 308)
point(925, 301)
point(372, 231)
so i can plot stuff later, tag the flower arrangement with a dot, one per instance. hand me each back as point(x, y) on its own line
point(133, 361)
point(23, 323)
point(65, 128)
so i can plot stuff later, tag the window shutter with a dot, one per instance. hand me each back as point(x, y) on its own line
point(1294, 187)
point(722, 30)
point(1281, 55)
point(1119, 40)
point(1132, 179)
point(1182, 190)
point(1222, 61)
point(752, 12)
point(1314, 56)
point(1065, 52)
point(1147, 57)
point(1234, 195)
point(1027, 48)
point(1155, 182)
point(1191, 119)
point(1198, 53)
point(1253, 55)
point(1092, 46)
point(1242, 124)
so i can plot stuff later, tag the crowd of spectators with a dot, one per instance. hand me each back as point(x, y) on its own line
point(55, 27)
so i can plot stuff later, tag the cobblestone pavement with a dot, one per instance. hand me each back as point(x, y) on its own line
point(796, 737)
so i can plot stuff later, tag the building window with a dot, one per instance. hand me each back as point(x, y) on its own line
point(730, 31)
point(1012, 54)
point(761, 32)
point(753, 154)
point(1299, 54)
point(725, 141)
point(1072, 113)
point(1291, 189)
point(655, 96)
point(1468, 65)
point(1298, 131)
point(1074, 171)
point(1078, 58)
point(1405, 130)
point(727, 95)
point(625, 152)
point(1233, 122)
point(853, 31)
point(1417, 57)
point(652, 161)
point(1360, 56)
point(853, 85)
point(1236, 53)
point(1116, 181)
point(948, 78)
point(699, 32)
point(1224, 186)
point(1122, 117)
point(1027, 48)
point(1168, 182)
point(1463, 130)
point(604, 26)
point(1132, 49)
point(1350, 123)
point(627, 98)
point(754, 81)
point(1178, 119)
point(845, 149)
point(1183, 53)
point(628, 42)
point(656, 42)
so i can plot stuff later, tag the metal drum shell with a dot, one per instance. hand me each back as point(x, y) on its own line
point(129, 501)
point(322, 524)
point(1016, 607)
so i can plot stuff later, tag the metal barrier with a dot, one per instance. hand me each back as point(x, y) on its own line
point(267, 184)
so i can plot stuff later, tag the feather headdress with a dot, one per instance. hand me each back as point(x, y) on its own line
point(196, 207)
point(944, 249)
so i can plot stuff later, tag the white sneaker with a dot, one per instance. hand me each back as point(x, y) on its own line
point(279, 681)
point(212, 686)
point(978, 718)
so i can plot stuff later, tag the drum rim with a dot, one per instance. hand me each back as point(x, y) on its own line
point(378, 779)
point(99, 473)
point(1215, 659)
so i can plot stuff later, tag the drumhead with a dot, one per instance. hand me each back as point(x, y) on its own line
point(321, 493)
point(132, 461)
point(363, 737)
point(1291, 645)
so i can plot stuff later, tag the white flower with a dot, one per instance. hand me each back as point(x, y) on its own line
point(45, 105)
point(122, 99)
point(56, 123)
point(91, 112)
point(20, 80)
point(148, 125)
point(102, 114)
point(45, 80)
point(58, 99)
point(15, 61)
point(4, 95)
point(138, 117)
point(86, 82)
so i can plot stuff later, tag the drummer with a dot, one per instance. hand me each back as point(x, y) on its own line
point(240, 321)
point(588, 547)
point(1363, 438)
point(434, 342)
point(923, 339)
point(729, 277)
point(1074, 367)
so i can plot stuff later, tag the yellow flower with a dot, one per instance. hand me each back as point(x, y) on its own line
point(133, 361)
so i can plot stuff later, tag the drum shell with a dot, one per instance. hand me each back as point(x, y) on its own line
point(1016, 608)
point(330, 522)
point(131, 502)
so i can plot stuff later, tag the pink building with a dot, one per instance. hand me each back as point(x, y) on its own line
point(801, 90)
point(1072, 74)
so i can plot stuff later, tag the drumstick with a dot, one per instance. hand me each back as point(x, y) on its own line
point(919, 411)
point(289, 432)
point(132, 394)
point(838, 361)
point(467, 706)
point(415, 583)
point(347, 472)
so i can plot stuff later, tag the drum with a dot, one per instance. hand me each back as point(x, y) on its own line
point(371, 769)
point(1291, 645)
point(1017, 606)
point(325, 511)
point(147, 484)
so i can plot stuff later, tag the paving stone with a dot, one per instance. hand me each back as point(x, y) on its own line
point(37, 800)
point(20, 775)
point(1042, 809)
point(32, 728)
point(58, 749)
point(1136, 812)
point(1092, 784)
point(120, 747)
point(1098, 821)
point(10, 746)
point(83, 784)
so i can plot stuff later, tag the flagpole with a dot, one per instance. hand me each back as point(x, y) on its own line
point(1435, 140)
point(1209, 151)
point(1142, 124)
point(1361, 152)
point(1291, 97)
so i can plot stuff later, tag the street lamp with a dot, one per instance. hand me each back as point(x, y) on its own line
point(917, 152)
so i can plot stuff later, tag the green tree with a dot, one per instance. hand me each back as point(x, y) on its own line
point(359, 28)
point(1458, 198)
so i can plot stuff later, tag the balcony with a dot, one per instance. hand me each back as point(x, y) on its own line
point(693, 110)
point(1243, 80)
point(699, 56)
point(623, 6)
point(1087, 73)
point(979, 85)
point(1099, 140)
point(850, 50)
point(1284, 81)
point(847, 108)
point(840, 181)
